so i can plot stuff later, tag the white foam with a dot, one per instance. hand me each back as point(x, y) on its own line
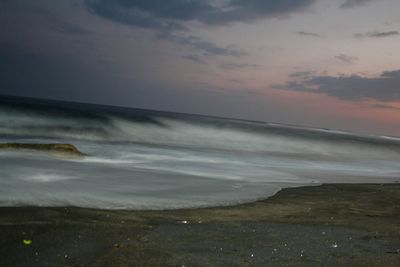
point(176, 163)
point(47, 177)
point(104, 160)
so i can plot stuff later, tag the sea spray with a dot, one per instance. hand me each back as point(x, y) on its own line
point(138, 159)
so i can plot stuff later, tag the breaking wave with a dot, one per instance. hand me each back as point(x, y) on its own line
point(155, 160)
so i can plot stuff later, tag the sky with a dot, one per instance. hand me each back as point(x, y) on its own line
point(321, 63)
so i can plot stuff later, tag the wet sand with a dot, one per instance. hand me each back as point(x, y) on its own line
point(328, 225)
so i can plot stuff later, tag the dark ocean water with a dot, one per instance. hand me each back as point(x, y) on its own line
point(141, 159)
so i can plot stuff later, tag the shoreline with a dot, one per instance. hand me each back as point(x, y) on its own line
point(329, 224)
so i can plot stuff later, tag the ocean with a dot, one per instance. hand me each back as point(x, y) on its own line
point(144, 159)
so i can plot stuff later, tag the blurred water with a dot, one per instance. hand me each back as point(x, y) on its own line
point(154, 160)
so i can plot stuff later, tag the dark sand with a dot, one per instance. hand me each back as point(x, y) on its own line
point(328, 225)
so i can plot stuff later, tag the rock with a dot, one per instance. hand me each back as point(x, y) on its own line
point(59, 149)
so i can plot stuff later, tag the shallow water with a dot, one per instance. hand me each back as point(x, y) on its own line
point(141, 159)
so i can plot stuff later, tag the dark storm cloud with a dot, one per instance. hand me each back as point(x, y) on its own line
point(251, 10)
point(133, 13)
point(168, 18)
point(171, 9)
point(169, 14)
point(311, 34)
point(346, 59)
point(354, 3)
point(376, 34)
point(386, 87)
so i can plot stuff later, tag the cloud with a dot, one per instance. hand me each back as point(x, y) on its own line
point(346, 59)
point(236, 81)
point(251, 10)
point(384, 106)
point(385, 87)
point(169, 18)
point(208, 48)
point(31, 14)
point(171, 9)
point(27, 73)
point(312, 34)
point(213, 49)
point(170, 14)
point(302, 74)
point(354, 3)
point(231, 66)
point(151, 14)
point(228, 92)
point(194, 58)
point(376, 34)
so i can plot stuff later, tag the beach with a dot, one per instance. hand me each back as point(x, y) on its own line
point(327, 225)
point(93, 185)
point(209, 133)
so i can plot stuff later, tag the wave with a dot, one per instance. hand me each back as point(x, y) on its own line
point(154, 160)
point(191, 132)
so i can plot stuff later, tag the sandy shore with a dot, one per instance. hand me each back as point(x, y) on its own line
point(328, 225)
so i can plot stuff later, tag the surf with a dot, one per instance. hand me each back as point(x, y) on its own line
point(139, 159)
